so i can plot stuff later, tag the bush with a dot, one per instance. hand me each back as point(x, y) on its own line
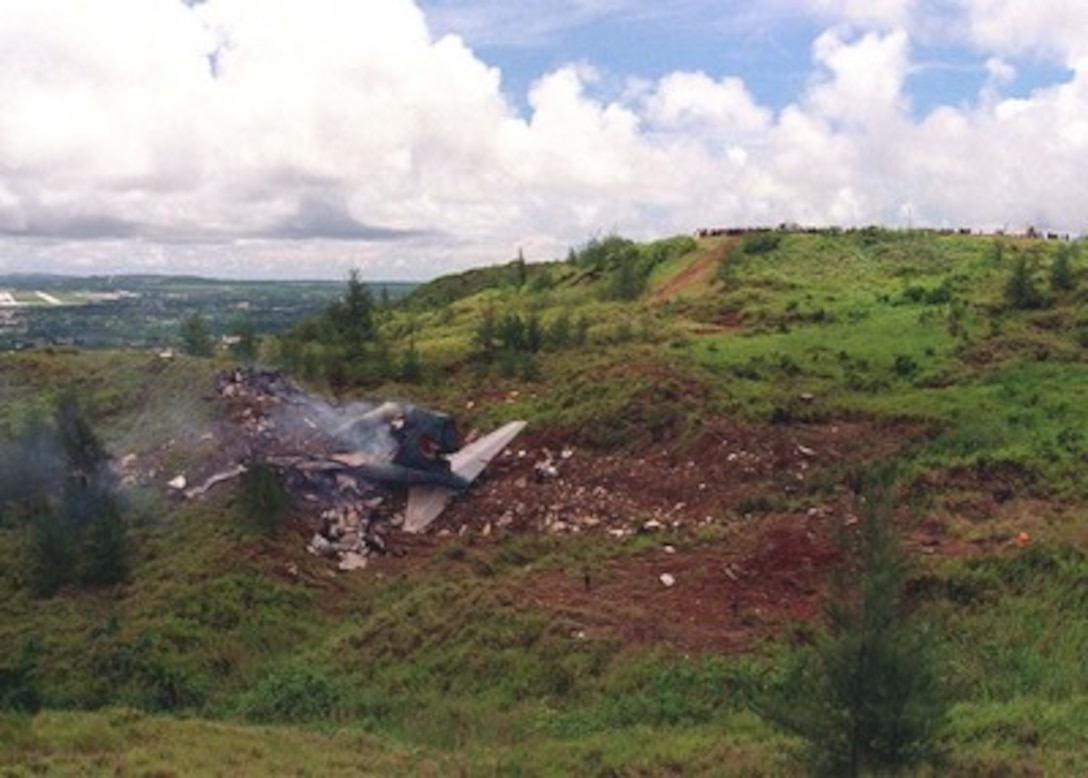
point(153, 671)
point(18, 680)
point(263, 499)
point(760, 243)
point(52, 552)
point(196, 338)
point(1020, 290)
point(866, 695)
point(62, 487)
point(105, 551)
point(904, 366)
point(1061, 271)
point(296, 693)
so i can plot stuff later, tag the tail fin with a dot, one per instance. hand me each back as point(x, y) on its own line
point(426, 503)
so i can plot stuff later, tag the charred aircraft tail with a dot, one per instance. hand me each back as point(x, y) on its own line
point(427, 501)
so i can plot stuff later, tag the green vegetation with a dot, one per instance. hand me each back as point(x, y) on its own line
point(868, 695)
point(212, 642)
point(141, 311)
point(196, 339)
point(58, 486)
point(262, 499)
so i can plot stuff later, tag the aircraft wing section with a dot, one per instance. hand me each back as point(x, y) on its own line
point(426, 503)
point(471, 460)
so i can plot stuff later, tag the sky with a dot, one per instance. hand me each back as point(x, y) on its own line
point(414, 138)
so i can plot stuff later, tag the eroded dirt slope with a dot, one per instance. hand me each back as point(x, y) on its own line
point(734, 531)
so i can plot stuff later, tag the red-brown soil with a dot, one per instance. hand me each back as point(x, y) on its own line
point(772, 496)
point(699, 271)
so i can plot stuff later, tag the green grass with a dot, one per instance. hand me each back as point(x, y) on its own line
point(213, 659)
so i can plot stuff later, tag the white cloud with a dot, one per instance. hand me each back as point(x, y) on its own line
point(696, 102)
point(867, 75)
point(252, 124)
point(863, 13)
point(538, 23)
point(1000, 72)
point(121, 109)
point(1050, 27)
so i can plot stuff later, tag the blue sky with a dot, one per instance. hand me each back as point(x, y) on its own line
point(301, 138)
point(770, 51)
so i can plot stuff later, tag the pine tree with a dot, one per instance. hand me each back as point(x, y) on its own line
point(76, 530)
point(263, 499)
point(84, 454)
point(19, 679)
point(559, 333)
point(1020, 291)
point(1061, 271)
point(52, 553)
point(534, 333)
point(484, 337)
point(196, 338)
point(521, 273)
point(89, 508)
point(867, 695)
point(245, 347)
point(357, 325)
point(411, 368)
point(105, 552)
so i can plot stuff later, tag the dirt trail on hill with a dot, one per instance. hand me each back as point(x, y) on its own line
point(698, 272)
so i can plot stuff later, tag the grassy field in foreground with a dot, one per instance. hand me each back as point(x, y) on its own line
point(987, 740)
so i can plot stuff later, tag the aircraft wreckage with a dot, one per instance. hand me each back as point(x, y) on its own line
point(344, 460)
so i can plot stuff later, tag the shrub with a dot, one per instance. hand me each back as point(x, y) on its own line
point(105, 551)
point(18, 680)
point(296, 693)
point(245, 345)
point(760, 243)
point(52, 553)
point(150, 671)
point(1020, 290)
point(64, 490)
point(904, 366)
point(196, 338)
point(263, 499)
point(1061, 271)
point(866, 695)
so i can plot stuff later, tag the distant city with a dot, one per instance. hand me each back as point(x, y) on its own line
point(142, 311)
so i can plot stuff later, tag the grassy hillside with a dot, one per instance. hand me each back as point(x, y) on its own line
point(718, 397)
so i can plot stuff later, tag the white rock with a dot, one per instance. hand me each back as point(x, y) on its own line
point(178, 482)
point(667, 579)
point(319, 545)
point(352, 560)
point(546, 470)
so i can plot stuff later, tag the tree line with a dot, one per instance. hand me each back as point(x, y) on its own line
point(56, 482)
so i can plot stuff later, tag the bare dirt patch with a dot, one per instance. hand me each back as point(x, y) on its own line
point(729, 470)
point(721, 598)
point(698, 272)
point(767, 571)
